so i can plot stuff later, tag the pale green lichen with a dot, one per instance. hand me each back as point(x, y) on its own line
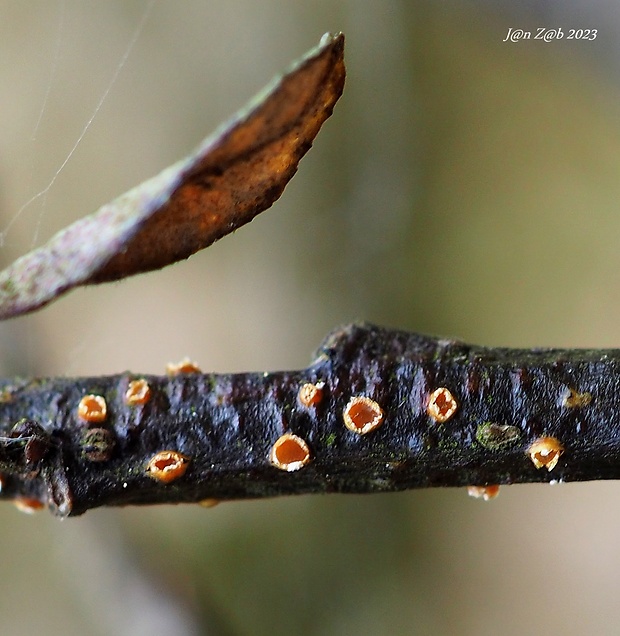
point(496, 436)
point(330, 439)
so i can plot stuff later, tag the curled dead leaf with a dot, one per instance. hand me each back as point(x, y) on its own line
point(235, 174)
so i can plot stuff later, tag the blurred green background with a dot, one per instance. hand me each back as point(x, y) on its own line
point(464, 186)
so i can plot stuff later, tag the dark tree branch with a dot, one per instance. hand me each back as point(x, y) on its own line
point(437, 412)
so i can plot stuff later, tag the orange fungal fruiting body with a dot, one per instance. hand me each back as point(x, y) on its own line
point(290, 452)
point(573, 399)
point(441, 405)
point(92, 408)
point(185, 366)
point(167, 466)
point(311, 394)
point(545, 451)
point(483, 492)
point(209, 503)
point(28, 505)
point(362, 415)
point(138, 392)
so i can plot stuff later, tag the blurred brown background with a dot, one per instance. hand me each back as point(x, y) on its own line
point(465, 186)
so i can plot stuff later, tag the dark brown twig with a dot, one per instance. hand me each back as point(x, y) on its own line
point(377, 411)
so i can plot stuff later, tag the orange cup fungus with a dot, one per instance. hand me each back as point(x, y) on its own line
point(92, 408)
point(167, 466)
point(290, 452)
point(138, 392)
point(441, 405)
point(362, 415)
point(483, 492)
point(28, 505)
point(545, 452)
point(311, 394)
point(185, 366)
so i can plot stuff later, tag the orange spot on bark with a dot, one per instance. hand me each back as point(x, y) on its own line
point(290, 452)
point(573, 399)
point(185, 366)
point(362, 415)
point(28, 505)
point(138, 392)
point(545, 452)
point(483, 492)
point(92, 408)
point(311, 394)
point(441, 405)
point(209, 503)
point(167, 466)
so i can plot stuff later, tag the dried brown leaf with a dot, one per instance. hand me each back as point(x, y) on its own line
point(235, 174)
